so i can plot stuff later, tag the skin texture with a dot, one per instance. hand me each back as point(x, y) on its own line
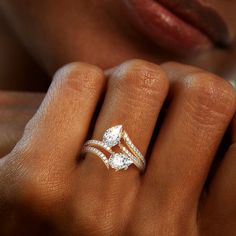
point(181, 117)
point(16, 110)
point(44, 185)
point(55, 36)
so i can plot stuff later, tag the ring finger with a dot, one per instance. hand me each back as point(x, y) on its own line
point(136, 92)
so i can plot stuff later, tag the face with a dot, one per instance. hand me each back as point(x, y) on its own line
point(107, 32)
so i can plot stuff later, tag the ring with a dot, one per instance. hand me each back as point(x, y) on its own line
point(116, 137)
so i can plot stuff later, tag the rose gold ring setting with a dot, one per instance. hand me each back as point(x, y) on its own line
point(116, 138)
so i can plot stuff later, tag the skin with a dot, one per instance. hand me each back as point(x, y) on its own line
point(89, 26)
point(45, 186)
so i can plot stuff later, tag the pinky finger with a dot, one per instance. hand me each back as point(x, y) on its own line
point(220, 204)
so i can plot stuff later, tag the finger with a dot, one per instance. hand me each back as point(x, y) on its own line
point(137, 88)
point(201, 108)
point(136, 92)
point(16, 110)
point(220, 205)
point(58, 129)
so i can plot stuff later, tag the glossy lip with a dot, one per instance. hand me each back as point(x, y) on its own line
point(185, 30)
point(201, 16)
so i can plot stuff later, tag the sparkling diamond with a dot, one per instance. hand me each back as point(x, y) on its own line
point(112, 136)
point(119, 161)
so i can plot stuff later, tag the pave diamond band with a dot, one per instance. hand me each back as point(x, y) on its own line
point(133, 148)
point(133, 158)
point(116, 137)
point(97, 143)
point(97, 153)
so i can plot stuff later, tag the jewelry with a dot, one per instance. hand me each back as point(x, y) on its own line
point(113, 137)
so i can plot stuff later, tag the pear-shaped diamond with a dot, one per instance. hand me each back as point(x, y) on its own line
point(112, 136)
point(119, 161)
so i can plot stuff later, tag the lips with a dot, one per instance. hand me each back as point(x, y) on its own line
point(202, 17)
point(182, 27)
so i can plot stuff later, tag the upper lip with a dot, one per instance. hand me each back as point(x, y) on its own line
point(202, 17)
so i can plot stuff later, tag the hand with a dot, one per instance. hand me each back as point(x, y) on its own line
point(46, 190)
point(16, 110)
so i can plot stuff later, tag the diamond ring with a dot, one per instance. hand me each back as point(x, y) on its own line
point(127, 155)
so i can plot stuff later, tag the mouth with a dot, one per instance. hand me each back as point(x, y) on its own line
point(181, 27)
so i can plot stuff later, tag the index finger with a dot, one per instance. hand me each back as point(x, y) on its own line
point(57, 130)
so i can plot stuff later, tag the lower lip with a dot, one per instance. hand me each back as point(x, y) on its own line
point(165, 29)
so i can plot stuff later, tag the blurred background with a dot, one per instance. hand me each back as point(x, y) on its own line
point(16, 62)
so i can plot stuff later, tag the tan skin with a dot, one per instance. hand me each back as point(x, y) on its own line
point(45, 189)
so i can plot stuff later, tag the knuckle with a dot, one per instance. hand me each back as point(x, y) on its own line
point(209, 93)
point(138, 76)
point(78, 76)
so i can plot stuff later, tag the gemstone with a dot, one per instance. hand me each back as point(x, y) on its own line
point(119, 161)
point(112, 136)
